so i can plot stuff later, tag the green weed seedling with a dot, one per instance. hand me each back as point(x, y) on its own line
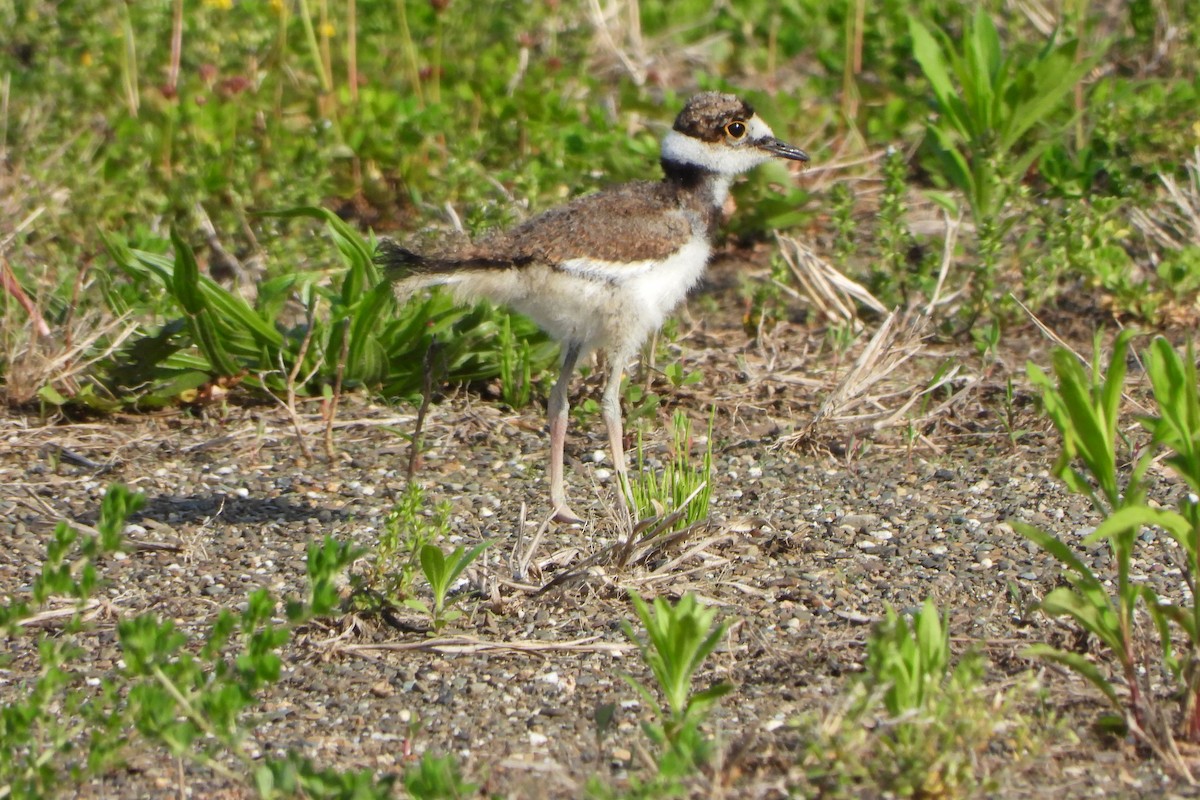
point(986, 339)
point(845, 226)
point(678, 377)
point(516, 367)
point(640, 403)
point(393, 565)
point(442, 570)
point(682, 482)
point(678, 639)
point(40, 732)
point(1084, 408)
point(914, 724)
point(354, 334)
point(189, 697)
point(192, 703)
point(437, 778)
point(894, 280)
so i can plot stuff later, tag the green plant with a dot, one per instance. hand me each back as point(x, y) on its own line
point(437, 778)
point(1085, 409)
point(187, 695)
point(192, 702)
point(40, 733)
point(675, 373)
point(1090, 242)
point(986, 339)
point(351, 334)
point(895, 279)
point(840, 337)
point(391, 567)
point(682, 481)
point(913, 725)
point(678, 639)
point(845, 226)
point(1009, 418)
point(442, 570)
point(987, 104)
point(516, 367)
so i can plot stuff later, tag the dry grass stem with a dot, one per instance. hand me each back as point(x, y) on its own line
point(1175, 225)
point(897, 341)
point(621, 23)
point(35, 363)
point(460, 645)
point(826, 289)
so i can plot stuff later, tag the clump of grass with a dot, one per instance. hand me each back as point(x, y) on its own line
point(914, 724)
point(683, 485)
point(989, 105)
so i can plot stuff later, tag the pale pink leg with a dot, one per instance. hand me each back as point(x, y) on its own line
point(557, 414)
point(610, 408)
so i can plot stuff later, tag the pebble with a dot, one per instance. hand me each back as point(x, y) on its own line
point(859, 521)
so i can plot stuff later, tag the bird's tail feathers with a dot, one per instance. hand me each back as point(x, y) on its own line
point(399, 262)
point(411, 271)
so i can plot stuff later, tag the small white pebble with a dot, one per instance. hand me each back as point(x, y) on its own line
point(603, 474)
point(755, 472)
point(537, 739)
point(242, 491)
point(598, 456)
point(226, 470)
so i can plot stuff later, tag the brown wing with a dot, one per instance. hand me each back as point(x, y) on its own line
point(633, 222)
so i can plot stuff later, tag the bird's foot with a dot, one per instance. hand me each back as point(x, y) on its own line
point(564, 514)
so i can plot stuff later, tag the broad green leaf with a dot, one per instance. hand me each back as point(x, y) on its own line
point(1079, 664)
point(1096, 618)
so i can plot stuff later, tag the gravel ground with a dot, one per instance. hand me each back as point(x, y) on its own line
point(807, 546)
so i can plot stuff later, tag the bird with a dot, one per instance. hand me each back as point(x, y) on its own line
point(604, 271)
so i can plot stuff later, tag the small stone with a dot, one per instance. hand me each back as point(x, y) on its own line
point(859, 522)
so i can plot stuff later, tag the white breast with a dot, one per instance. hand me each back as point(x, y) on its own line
point(616, 307)
point(643, 293)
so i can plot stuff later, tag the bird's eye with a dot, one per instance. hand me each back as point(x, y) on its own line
point(736, 129)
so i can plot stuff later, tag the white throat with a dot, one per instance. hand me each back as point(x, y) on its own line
point(725, 158)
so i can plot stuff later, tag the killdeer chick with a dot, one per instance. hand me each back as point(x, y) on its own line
point(605, 270)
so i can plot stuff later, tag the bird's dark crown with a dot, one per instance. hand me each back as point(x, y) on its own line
point(706, 115)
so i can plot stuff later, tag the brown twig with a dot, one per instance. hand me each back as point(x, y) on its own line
point(337, 390)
